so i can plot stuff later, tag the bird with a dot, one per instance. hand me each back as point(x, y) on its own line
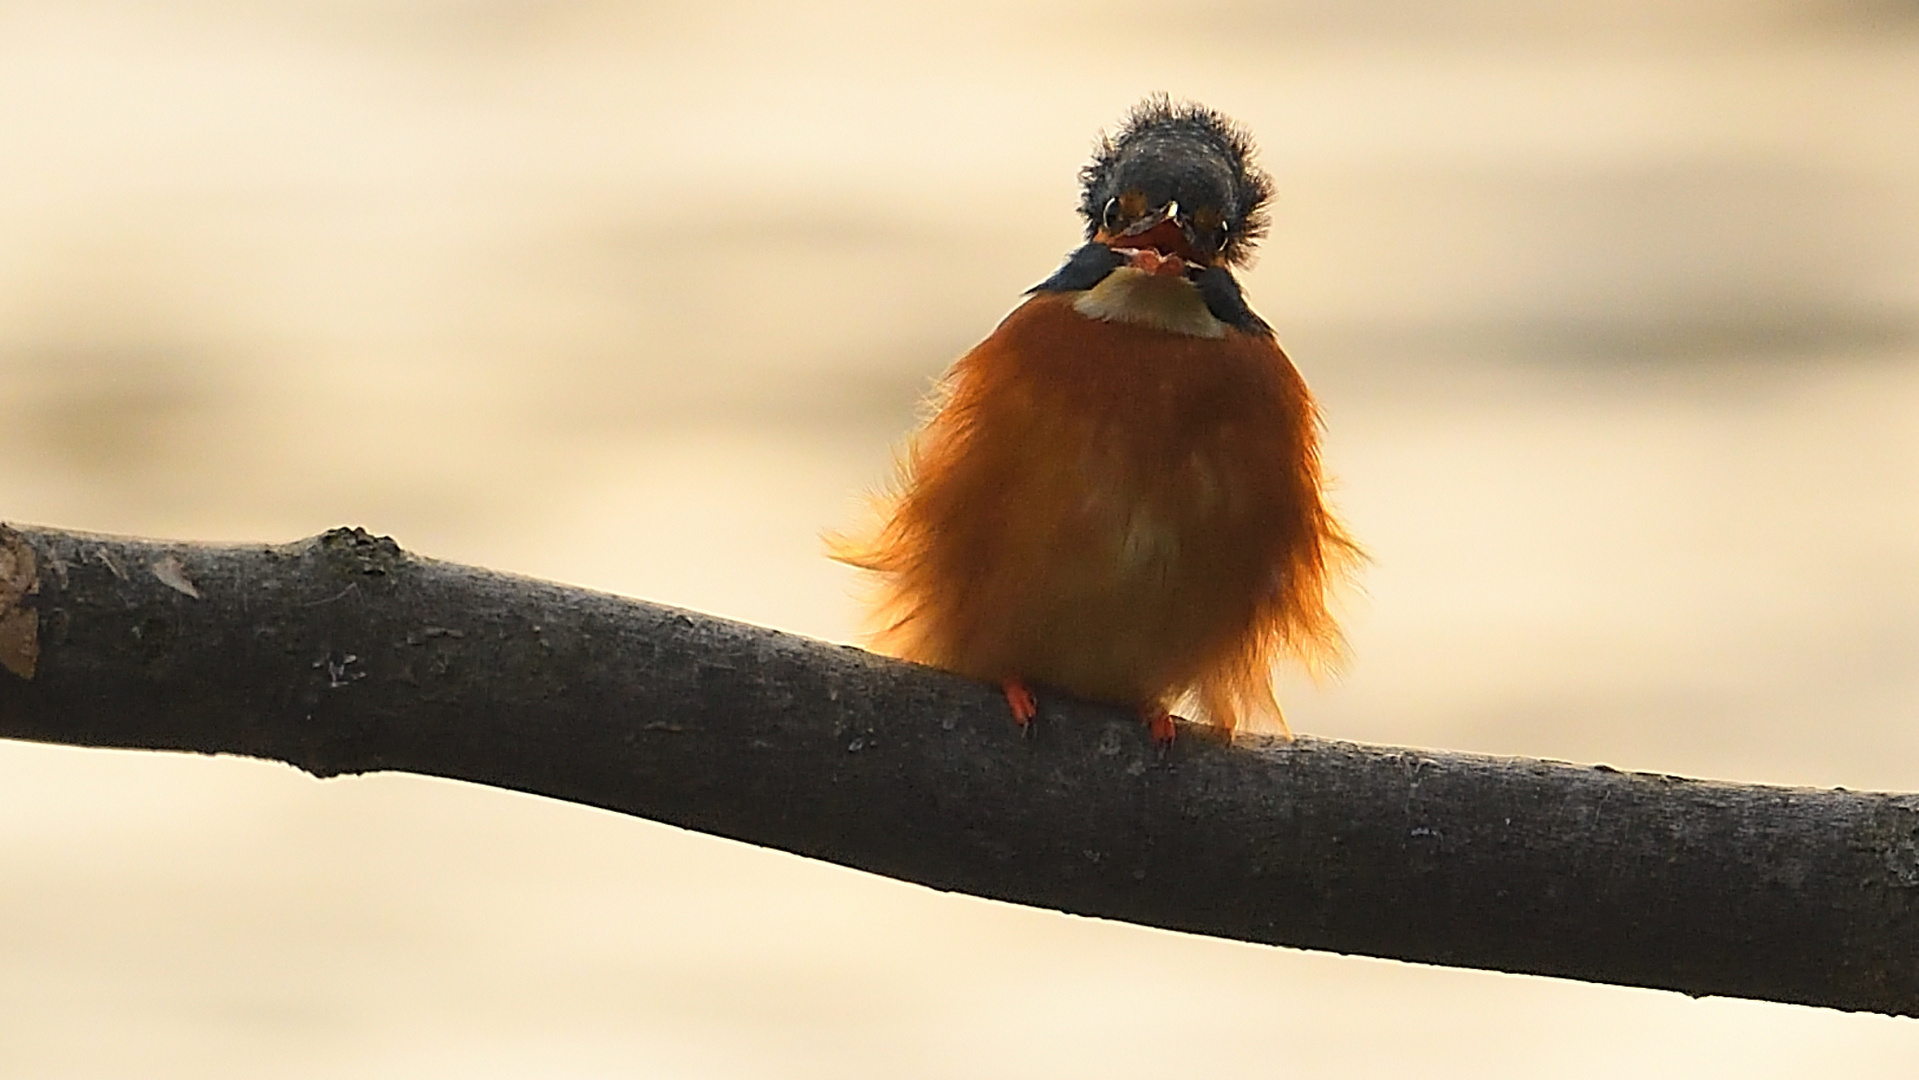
point(1118, 493)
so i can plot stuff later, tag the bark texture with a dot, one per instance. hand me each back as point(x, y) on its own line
point(344, 654)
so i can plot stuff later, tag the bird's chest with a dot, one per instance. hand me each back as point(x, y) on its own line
point(1125, 456)
point(1139, 486)
point(1144, 510)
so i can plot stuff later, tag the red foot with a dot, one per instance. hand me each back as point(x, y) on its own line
point(1159, 723)
point(1020, 700)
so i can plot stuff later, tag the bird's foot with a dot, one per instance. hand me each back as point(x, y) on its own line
point(1019, 698)
point(1159, 723)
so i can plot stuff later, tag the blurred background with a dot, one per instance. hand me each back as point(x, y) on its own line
point(1613, 310)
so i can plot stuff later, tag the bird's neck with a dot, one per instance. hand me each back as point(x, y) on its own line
point(1160, 301)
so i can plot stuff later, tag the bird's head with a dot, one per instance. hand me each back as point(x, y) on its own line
point(1175, 188)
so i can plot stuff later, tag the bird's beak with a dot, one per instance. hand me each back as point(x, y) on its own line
point(1160, 242)
point(1154, 218)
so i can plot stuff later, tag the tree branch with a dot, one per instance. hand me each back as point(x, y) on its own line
point(343, 654)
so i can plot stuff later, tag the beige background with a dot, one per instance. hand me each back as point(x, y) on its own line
point(1613, 308)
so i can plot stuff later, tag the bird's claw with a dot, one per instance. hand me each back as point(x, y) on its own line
point(1019, 698)
point(1159, 724)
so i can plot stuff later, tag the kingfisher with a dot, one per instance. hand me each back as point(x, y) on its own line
point(1118, 492)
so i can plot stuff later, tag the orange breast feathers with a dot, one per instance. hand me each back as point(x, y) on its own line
point(1124, 512)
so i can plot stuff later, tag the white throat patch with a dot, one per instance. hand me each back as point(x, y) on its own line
point(1161, 301)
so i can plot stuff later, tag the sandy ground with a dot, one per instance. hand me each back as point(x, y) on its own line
point(1614, 315)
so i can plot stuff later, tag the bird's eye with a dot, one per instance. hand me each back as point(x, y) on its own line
point(1109, 218)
